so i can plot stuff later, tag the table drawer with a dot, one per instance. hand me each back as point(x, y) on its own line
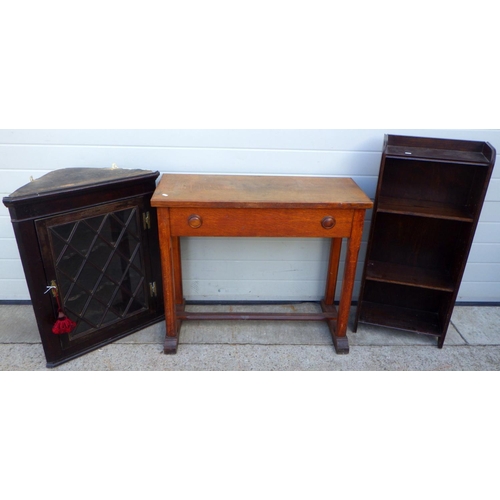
point(281, 222)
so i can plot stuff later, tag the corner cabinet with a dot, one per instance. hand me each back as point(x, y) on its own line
point(429, 197)
point(88, 242)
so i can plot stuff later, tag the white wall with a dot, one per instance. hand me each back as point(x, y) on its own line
point(236, 269)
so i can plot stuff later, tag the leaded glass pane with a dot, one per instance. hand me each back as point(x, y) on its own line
point(99, 269)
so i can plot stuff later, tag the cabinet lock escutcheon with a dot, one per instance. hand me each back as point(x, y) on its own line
point(146, 220)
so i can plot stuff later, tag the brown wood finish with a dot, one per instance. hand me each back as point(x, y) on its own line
point(333, 270)
point(353, 246)
point(169, 280)
point(255, 222)
point(327, 315)
point(429, 197)
point(85, 229)
point(248, 191)
point(257, 206)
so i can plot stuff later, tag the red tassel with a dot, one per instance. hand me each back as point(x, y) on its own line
point(63, 324)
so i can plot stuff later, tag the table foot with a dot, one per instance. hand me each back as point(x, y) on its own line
point(170, 345)
point(341, 344)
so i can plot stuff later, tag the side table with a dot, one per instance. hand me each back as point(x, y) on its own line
point(259, 206)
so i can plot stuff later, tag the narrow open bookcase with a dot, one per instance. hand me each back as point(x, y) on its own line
point(429, 197)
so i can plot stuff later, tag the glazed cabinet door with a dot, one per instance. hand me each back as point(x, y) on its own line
point(98, 261)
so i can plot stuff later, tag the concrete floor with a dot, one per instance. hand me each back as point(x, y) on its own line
point(472, 343)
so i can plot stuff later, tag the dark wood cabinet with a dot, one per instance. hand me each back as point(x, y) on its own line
point(88, 241)
point(429, 197)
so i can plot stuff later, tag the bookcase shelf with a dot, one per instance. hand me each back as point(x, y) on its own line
point(389, 272)
point(424, 208)
point(439, 154)
point(402, 318)
point(429, 197)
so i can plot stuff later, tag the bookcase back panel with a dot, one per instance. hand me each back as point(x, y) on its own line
point(420, 242)
point(447, 184)
point(405, 296)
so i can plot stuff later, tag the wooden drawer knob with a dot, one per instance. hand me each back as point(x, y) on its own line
point(328, 222)
point(195, 221)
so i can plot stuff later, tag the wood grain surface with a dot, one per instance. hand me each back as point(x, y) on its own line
point(248, 191)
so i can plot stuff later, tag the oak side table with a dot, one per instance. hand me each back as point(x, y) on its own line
point(259, 206)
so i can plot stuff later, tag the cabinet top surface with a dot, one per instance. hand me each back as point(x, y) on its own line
point(67, 179)
point(446, 150)
point(248, 191)
point(472, 157)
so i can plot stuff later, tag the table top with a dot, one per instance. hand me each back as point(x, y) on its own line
point(258, 191)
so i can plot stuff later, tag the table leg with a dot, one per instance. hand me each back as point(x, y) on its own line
point(331, 284)
point(333, 270)
point(168, 275)
point(176, 258)
point(351, 260)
